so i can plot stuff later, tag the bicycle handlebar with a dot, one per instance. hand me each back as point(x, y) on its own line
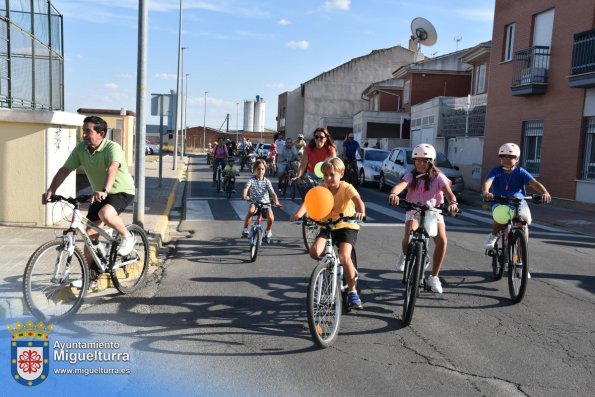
point(83, 198)
point(535, 198)
point(441, 209)
point(330, 222)
point(260, 204)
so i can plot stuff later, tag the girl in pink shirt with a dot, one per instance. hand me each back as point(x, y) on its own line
point(427, 185)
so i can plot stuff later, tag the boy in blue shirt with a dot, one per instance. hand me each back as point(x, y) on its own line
point(509, 180)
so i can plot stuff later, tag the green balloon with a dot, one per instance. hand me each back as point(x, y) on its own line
point(502, 214)
point(318, 169)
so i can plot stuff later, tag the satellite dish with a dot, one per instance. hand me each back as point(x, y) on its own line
point(423, 32)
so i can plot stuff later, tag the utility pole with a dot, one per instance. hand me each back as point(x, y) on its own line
point(178, 107)
point(138, 216)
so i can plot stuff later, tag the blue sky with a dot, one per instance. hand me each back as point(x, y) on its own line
point(237, 49)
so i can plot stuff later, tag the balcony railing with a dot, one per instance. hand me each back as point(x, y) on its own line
point(530, 72)
point(582, 70)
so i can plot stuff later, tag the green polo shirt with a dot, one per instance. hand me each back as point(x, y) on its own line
point(95, 165)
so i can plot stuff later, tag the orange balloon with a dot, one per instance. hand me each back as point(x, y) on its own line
point(319, 202)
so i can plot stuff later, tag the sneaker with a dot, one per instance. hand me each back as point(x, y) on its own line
point(126, 244)
point(245, 233)
point(401, 262)
point(434, 284)
point(233, 190)
point(490, 241)
point(354, 301)
point(269, 237)
point(93, 285)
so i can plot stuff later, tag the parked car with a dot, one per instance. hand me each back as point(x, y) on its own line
point(369, 164)
point(262, 149)
point(151, 148)
point(399, 162)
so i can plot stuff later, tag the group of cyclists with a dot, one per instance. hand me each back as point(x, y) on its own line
point(425, 183)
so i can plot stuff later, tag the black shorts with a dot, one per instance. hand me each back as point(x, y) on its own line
point(117, 200)
point(340, 236)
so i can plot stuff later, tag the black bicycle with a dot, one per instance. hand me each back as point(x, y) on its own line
point(351, 173)
point(511, 249)
point(287, 182)
point(417, 258)
point(229, 183)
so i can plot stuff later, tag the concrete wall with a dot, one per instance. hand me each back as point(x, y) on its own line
point(33, 146)
point(337, 93)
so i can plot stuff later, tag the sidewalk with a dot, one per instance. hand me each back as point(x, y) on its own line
point(161, 201)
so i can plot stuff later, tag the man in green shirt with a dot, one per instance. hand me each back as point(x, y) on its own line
point(106, 169)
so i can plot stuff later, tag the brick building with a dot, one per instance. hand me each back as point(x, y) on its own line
point(542, 92)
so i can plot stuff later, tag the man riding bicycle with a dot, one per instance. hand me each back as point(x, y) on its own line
point(285, 157)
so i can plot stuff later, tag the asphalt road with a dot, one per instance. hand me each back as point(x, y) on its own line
point(213, 323)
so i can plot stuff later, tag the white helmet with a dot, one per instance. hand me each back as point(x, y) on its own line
point(300, 135)
point(510, 149)
point(424, 150)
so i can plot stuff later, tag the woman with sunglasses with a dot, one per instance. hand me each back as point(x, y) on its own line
point(509, 180)
point(320, 148)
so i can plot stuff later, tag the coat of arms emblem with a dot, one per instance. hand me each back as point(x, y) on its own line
point(29, 348)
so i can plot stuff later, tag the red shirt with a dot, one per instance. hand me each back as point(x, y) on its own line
point(316, 155)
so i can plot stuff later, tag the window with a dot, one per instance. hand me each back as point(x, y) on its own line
point(589, 159)
point(531, 158)
point(480, 79)
point(508, 42)
point(406, 89)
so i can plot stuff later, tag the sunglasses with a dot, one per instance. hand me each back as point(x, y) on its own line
point(320, 137)
point(507, 156)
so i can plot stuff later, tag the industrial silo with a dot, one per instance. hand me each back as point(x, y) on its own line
point(249, 116)
point(259, 114)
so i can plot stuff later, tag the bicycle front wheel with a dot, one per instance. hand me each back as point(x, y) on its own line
point(412, 279)
point(518, 265)
point(310, 231)
point(255, 238)
point(129, 272)
point(498, 260)
point(324, 306)
point(55, 283)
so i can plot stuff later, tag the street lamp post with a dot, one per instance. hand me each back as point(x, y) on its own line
point(185, 115)
point(178, 110)
point(237, 130)
point(204, 124)
point(182, 107)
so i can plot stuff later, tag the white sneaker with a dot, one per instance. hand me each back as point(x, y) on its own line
point(400, 265)
point(490, 241)
point(126, 244)
point(434, 284)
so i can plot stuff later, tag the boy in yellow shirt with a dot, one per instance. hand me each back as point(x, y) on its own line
point(348, 202)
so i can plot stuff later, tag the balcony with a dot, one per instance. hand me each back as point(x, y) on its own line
point(530, 71)
point(582, 70)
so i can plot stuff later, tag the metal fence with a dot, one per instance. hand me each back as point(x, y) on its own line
point(463, 116)
point(31, 55)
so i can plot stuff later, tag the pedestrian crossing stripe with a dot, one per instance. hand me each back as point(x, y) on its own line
point(216, 209)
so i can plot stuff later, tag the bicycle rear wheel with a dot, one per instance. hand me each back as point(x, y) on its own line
point(310, 231)
point(324, 306)
point(54, 282)
point(498, 259)
point(255, 238)
point(129, 272)
point(518, 265)
point(412, 278)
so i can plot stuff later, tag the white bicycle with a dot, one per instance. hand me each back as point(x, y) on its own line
point(57, 275)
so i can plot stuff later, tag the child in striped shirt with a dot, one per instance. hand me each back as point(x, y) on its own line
point(259, 189)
